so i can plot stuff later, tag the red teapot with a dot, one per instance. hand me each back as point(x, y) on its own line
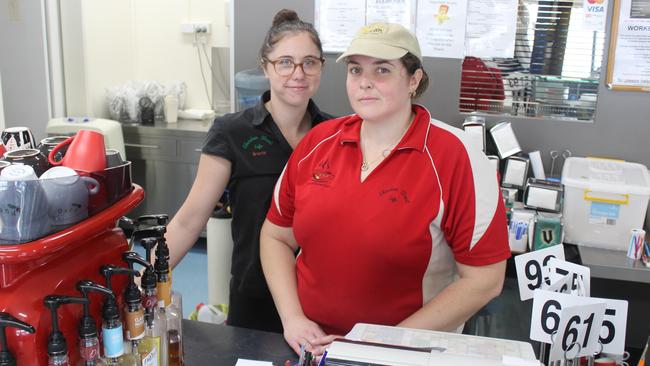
point(86, 152)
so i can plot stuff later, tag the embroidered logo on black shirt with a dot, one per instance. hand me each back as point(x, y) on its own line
point(257, 145)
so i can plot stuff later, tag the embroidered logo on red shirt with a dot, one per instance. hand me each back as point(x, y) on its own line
point(394, 195)
point(322, 174)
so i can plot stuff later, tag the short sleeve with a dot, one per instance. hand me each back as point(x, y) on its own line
point(217, 141)
point(475, 221)
point(282, 202)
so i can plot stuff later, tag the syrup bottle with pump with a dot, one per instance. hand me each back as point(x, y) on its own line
point(112, 336)
point(88, 338)
point(57, 347)
point(172, 312)
point(153, 347)
point(161, 221)
point(6, 320)
point(133, 298)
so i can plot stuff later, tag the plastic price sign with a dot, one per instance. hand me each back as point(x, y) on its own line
point(578, 330)
point(580, 275)
point(562, 285)
point(547, 308)
point(612, 333)
point(533, 270)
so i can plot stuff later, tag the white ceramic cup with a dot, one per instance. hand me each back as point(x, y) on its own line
point(23, 205)
point(18, 172)
point(67, 195)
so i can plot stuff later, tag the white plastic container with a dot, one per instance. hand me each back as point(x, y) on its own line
point(603, 201)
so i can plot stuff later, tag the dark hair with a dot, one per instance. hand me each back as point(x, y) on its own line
point(412, 63)
point(286, 21)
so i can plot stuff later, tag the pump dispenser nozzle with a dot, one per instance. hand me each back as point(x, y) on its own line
point(160, 219)
point(87, 326)
point(56, 344)
point(6, 320)
point(150, 232)
point(110, 309)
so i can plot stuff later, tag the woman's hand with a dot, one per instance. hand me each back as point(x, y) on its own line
point(301, 331)
point(319, 344)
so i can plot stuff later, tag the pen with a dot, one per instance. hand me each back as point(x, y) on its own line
point(322, 359)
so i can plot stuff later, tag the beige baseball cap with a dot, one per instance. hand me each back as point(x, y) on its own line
point(388, 41)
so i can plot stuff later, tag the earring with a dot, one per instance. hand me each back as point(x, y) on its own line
point(412, 94)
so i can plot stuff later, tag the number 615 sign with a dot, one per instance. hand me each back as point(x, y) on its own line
point(546, 321)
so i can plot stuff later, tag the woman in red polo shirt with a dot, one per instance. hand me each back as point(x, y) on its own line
point(398, 221)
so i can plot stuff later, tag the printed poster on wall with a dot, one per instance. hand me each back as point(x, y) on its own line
point(491, 28)
point(595, 14)
point(632, 66)
point(337, 21)
point(441, 27)
point(392, 11)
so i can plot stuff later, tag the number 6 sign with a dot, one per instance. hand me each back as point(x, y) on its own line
point(577, 333)
point(546, 319)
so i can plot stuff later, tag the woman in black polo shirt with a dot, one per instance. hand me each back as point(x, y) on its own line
point(246, 152)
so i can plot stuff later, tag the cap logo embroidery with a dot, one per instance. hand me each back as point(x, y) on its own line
point(374, 29)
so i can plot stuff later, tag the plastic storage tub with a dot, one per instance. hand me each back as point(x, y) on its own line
point(250, 84)
point(603, 201)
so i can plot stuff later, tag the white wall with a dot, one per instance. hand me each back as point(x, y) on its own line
point(2, 110)
point(138, 40)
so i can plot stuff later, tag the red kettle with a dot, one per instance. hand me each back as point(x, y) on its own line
point(86, 152)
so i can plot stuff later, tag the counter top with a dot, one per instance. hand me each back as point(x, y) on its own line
point(211, 344)
point(614, 265)
point(192, 125)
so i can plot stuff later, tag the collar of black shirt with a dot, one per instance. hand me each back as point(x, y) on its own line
point(260, 113)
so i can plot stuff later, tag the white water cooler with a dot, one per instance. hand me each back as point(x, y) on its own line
point(112, 130)
point(219, 251)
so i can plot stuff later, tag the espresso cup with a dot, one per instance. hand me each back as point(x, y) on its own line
point(47, 144)
point(16, 138)
point(23, 205)
point(31, 157)
point(18, 173)
point(67, 195)
point(113, 158)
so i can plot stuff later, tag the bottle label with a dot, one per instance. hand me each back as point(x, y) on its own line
point(89, 351)
point(151, 358)
point(149, 301)
point(113, 342)
point(164, 290)
point(134, 324)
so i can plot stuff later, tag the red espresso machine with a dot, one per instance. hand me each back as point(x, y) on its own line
point(54, 264)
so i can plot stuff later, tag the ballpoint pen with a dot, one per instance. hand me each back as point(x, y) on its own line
point(322, 359)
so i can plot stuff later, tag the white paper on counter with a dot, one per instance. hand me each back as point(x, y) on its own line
point(244, 362)
point(491, 28)
point(337, 21)
point(394, 11)
point(441, 27)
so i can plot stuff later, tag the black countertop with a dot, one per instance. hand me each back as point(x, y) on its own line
point(211, 344)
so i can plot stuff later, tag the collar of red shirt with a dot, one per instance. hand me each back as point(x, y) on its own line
point(415, 137)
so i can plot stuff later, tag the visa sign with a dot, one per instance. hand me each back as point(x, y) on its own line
point(596, 9)
point(595, 12)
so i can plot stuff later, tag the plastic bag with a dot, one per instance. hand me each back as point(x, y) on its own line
point(123, 100)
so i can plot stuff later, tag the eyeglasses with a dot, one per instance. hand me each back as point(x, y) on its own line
point(286, 66)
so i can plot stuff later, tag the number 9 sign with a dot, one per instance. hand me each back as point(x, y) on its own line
point(533, 269)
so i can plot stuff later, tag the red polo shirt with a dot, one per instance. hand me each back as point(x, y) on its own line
point(376, 251)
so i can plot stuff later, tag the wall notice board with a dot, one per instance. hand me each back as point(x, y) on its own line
point(628, 66)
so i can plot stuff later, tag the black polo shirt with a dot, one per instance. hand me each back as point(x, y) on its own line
point(258, 152)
